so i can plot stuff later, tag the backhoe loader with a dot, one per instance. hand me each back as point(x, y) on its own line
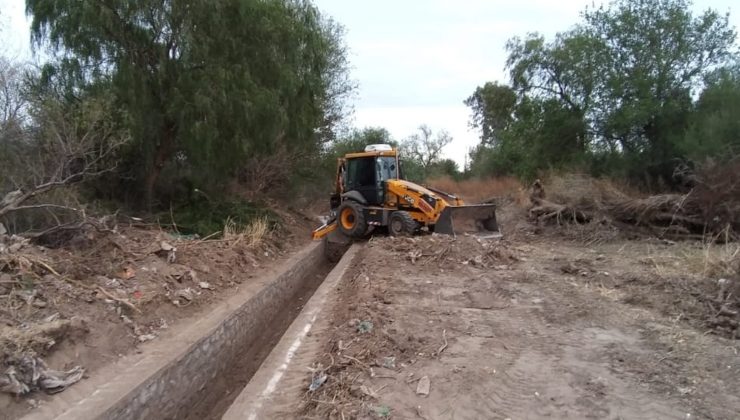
point(371, 194)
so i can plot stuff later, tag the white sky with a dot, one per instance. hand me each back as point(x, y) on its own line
point(415, 60)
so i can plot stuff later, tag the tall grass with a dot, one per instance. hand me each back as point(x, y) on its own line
point(252, 234)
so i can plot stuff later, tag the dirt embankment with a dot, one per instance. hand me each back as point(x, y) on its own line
point(435, 327)
point(84, 305)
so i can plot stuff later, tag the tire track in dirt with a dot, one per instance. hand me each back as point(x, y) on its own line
point(523, 385)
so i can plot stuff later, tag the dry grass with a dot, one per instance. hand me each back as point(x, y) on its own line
point(479, 190)
point(35, 339)
point(717, 261)
point(699, 260)
point(252, 235)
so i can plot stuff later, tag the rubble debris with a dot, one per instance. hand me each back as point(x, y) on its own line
point(444, 250)
point(127, 273)
point(422, 388)
point(168, 250)
point(29, 373)
point(389, 362)
point(184, 297)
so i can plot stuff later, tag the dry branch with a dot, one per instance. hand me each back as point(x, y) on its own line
point(711, 208)
point(71, 144)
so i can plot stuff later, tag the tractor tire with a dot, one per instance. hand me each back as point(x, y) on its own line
point(402, 224)
point(351, 219)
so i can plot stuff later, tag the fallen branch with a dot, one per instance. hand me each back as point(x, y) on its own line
point(119, 300)
point(443, 346)
point(356, 361)
point(100, 289)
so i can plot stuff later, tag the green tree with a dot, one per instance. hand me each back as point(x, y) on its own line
point(445, 168)
point(620, 83)
point(209, 82)
point(492, 107)
point(714, 125)
point(355, 140)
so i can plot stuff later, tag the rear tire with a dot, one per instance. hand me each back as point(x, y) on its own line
point(351, 219)
point(401, 223)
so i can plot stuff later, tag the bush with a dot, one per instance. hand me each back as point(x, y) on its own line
point(205, 218)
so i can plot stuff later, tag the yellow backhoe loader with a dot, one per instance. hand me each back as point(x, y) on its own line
point(371, 193)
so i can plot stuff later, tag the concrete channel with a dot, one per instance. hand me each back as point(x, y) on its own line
point(200, 370)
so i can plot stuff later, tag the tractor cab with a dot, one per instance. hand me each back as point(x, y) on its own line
point(367, 172)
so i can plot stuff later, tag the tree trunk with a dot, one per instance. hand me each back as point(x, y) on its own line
point(161, 156)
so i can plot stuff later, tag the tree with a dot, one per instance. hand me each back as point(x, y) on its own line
point(656, 53)
point(445, 168)
point(355, 140)
point(714, 126)
point(12, 101)
point(425, 148)
point(620, 84)
point(492, 106)
point(63, 145)
point(210, 82)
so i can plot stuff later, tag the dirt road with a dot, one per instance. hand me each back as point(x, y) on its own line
point(529, 329)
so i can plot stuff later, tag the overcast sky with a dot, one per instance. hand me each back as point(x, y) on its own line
point(416, 60)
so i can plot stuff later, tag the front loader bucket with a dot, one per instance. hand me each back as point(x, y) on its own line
point(477, 219)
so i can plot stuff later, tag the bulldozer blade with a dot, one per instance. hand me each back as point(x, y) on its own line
point(477, 219)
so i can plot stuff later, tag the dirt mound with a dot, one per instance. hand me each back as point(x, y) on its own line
point(448, 251)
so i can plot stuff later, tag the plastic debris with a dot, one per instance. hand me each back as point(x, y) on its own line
point(31, 374)
point(318, 379)
point(365, 327)
point(170, 250)
point(165, 246)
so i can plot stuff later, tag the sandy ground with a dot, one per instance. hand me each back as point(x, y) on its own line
point(437, 328)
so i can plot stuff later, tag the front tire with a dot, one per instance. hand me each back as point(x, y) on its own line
point(351, 219)
point(401, 224)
